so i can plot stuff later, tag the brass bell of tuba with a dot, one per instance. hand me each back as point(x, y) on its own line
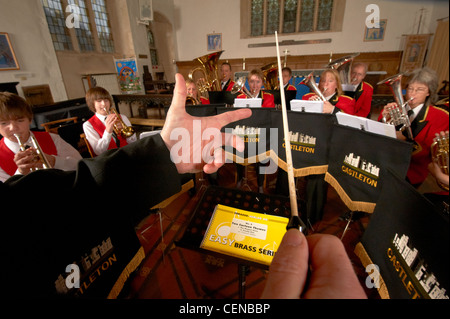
point(310, 82)
point(439, 153)
point(125, 131)
point(210, 80)
point(39, 154)
point(344, 67)
point(399, 115)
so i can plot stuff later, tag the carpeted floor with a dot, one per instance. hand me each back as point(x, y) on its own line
point(172, 272)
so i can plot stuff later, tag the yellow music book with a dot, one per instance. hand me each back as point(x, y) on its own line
point(243, 234)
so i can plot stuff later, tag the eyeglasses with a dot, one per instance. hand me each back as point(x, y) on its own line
point(418, 90)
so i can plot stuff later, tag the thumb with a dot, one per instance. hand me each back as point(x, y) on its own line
point(289, 268)
point(179, 95)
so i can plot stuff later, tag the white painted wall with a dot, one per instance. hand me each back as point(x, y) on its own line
point(196, 18)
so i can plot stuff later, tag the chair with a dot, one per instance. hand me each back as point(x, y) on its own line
point(53, 126)
point(159, 207)
point(89, 147)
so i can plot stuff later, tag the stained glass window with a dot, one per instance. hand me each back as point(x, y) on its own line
point(57, 25)
point(324, 16)
point(103, 26)
point(293, 16)
point(290, 16)
point(273, 16)
point(84, 32)
point(257, 17)
point(307, 16)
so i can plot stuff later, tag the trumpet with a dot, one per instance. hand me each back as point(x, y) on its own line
point(39, 154)
point(125, 131)
point(439, 153)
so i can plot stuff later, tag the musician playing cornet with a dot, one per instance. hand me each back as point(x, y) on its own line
point(331, 88)
point(15, 119)
point(100, 128)
point(426, 120)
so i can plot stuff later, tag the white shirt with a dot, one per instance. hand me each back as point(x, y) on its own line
point(416, 111)
point(66, 160)
point(100, 145)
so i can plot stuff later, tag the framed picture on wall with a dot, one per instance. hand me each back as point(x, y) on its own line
point(375, 34)
point(214, 41)
point(8, 59)
point(414, 53)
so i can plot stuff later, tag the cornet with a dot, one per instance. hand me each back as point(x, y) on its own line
point(125, 131)
point(39, 154)
point(439, 153)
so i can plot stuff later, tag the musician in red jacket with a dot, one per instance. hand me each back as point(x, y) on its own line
point(99, 129)
point(15, 119)
point(331, 88)
point(192, 91)
point(426, 121)
point(255, 82)
point(363, 92)
point(226, 83)
point(287, 76)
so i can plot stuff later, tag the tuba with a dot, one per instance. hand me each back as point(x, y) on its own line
point(439, 153)
point(239, 87)
point(126, 131)
point(344, 67)
point(311, 83)
point(270, 79)
point(210, 80)
point(398, 115)
point(39, 154)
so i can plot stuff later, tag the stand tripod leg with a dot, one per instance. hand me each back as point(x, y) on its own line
point(348, 223)
point(242, 271)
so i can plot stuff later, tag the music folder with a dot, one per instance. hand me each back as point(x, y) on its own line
point(256, 102)
point(307, 106)
point(366, 124)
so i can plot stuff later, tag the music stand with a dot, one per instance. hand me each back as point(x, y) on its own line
point(222, 97)
point(250, 201)
point(289, 95)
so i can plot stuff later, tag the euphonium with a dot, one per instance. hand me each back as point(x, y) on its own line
point(210, 80)
point(439, 153)
point(311, 83)
point(239, 87)
point(344, 67)
point(125, 131)
point(38, 151)
point(399, 115)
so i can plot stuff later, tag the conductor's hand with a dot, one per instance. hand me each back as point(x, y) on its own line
point(195, 142)
point(332, 275)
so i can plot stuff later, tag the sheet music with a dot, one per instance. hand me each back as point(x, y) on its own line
point(256, 102)
point(307, 106)
point(366, 124)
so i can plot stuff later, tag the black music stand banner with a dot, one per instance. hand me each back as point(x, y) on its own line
point(407, 244)
point(310, 134)
point(255, 131)
point(358, 161)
